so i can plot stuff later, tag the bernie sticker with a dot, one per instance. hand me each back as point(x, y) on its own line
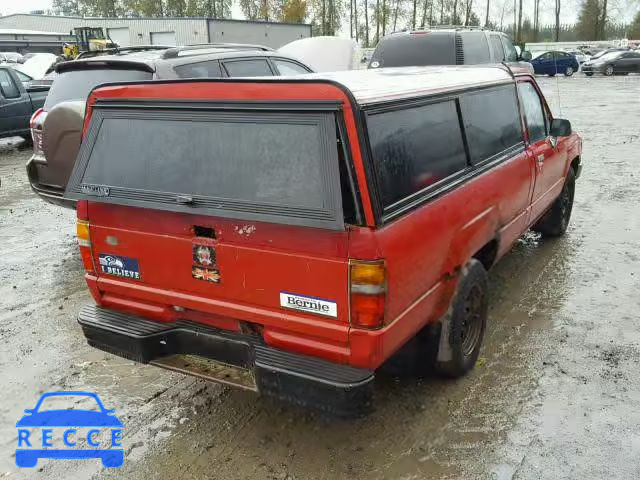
point(309, 304)
point(119, 266)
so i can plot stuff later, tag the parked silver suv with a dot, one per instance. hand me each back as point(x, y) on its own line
point(56, 129)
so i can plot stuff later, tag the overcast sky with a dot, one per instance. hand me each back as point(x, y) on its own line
point(623, 10)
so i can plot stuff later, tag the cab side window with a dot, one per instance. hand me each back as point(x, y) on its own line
point(8, 86)
point(533, 112)
point(491, 122)
point(414, 148)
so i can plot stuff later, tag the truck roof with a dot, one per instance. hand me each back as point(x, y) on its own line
point(385, 84)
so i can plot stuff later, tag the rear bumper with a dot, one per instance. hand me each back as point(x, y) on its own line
point(48, 193)
point(232, 358)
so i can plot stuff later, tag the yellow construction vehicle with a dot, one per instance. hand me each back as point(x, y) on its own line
point(88, 39)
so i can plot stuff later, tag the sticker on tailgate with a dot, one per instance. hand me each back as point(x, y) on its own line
point(309, 304)
point(119, 266)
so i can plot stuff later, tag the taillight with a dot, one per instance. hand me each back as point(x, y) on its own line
point(35, 124)
point(34, 117)
point(368, 292)
point(84, 241)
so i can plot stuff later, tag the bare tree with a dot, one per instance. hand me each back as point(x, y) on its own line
point(395, 15)
point(486, 19)
point(467, 12)
point(377, 20)
point(519, 35)
point(413, 20)
point(366, 23)
point(557, 12)
point(424, 12)
point(384, 17)
point(603, 20)
point(355, 20)
point(536, 19)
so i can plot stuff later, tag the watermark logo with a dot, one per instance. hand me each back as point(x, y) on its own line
point(83, 430)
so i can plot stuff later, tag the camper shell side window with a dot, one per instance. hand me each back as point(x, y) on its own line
point(422, 148)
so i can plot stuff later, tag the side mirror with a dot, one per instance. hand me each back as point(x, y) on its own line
point(526, 56)
point(560, 127)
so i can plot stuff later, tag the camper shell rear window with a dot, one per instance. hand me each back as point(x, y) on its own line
point(250, 164)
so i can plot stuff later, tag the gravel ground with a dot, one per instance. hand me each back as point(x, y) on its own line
point(556, 393)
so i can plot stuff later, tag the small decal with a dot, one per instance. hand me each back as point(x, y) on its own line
point(204, 263)
point(119, 266)
point(309, 304)
point(204, 255)
point(95, 190)
point(208, 274)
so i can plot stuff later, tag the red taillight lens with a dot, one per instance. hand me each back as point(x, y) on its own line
point(35, 124)
point(367, 310)
point(34, 117)
point(368, 288)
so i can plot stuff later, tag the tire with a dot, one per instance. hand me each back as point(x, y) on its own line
point(552, 74)
point(464, 324)
point(589, 74)
point(608, 70)
point(554, 223)
point(569, 71)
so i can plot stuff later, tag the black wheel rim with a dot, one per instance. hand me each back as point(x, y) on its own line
point(472, 321)
point(565, 204)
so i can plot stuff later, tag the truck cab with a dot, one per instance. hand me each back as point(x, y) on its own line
point(18, 102)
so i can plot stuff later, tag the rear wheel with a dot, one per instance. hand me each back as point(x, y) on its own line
point(464, 324)
point(568, 71)
point(555, 222)
point(608, 71)
point(589, 74)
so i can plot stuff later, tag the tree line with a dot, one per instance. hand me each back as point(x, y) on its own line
point(368, 20)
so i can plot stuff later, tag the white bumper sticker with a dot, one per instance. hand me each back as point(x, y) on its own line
point(309, 304)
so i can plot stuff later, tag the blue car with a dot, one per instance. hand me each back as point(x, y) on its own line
point(28, 457)
point(551, 63)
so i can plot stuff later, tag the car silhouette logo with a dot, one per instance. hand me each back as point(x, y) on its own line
point(105, 418)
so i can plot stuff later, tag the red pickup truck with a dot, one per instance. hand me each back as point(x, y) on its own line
point(289, 236)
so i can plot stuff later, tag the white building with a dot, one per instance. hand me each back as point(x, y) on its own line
point(167, 30)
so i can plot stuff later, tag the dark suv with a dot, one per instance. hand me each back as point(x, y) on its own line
point(446, 46)
point(56, 129)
